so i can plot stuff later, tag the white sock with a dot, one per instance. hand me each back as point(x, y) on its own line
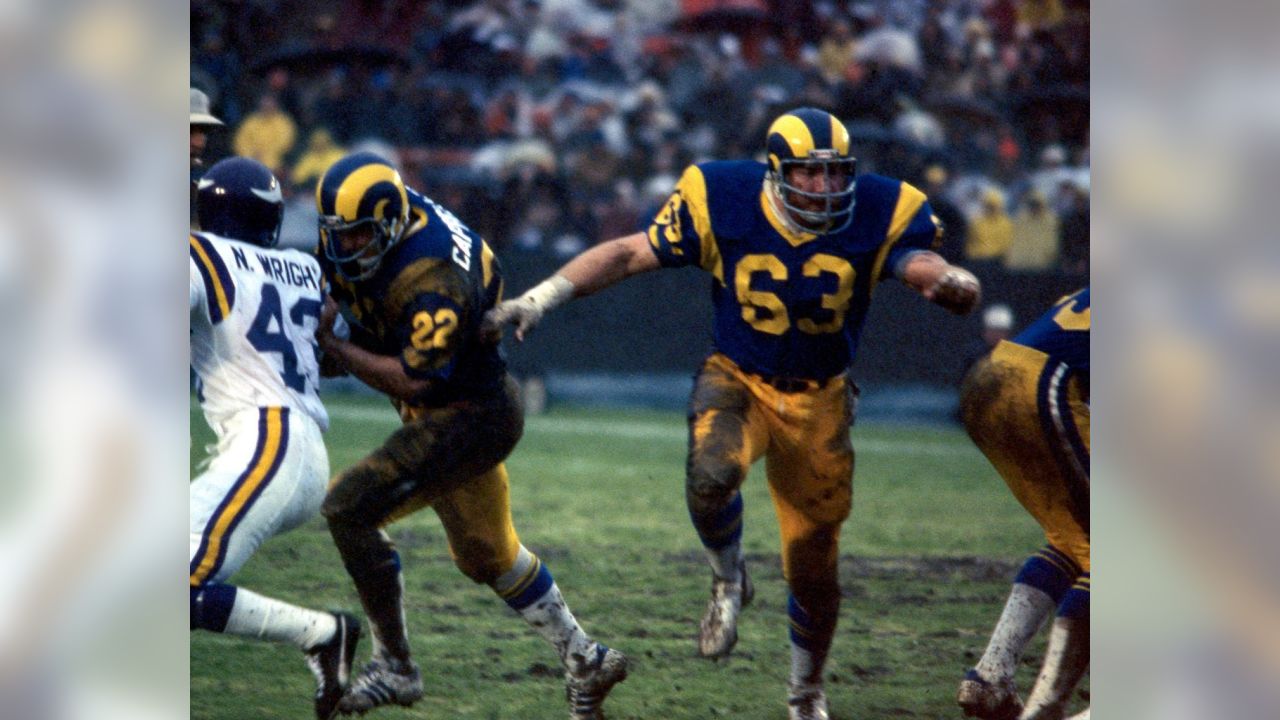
point(550, 616)
point(546, 612)
point(1065, 661)
point(804, 674)
point(726, 562)
point(1024, 613)
point(264, 618)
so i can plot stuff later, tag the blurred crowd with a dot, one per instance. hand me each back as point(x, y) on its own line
point(550, 125)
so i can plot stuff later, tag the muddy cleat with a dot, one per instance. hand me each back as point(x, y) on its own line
point(810, 704)
point(586, 691)
point(380, 684)
point(719, 630)
point(986, 700)
point(331, 664)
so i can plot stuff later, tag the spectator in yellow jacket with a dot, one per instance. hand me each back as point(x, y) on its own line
point(991, 232)
point(266, 134)
point(321, 152)
point(1035, 236)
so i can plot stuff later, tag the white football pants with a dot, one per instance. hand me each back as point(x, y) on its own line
point(268, 475)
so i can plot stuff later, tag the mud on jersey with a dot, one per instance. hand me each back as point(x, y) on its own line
point(425, 303)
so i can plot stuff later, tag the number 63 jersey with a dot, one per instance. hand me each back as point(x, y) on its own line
point(254, 314)
point(786, 303)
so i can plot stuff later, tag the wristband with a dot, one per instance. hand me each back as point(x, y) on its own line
point(550, 293)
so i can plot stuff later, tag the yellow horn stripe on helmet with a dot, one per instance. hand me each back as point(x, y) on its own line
point(839, 136)
point(796, 133)
point(347, 200)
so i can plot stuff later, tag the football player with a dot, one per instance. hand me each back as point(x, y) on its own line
point(796, 247)
point(1026, 406)
point(254, 313)
point(416, 282)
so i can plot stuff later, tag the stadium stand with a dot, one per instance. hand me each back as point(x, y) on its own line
point(549, 125)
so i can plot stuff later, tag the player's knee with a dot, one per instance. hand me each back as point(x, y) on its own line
point(482, 565)
point(710, 485)
point(342, 502)
point(333, 508)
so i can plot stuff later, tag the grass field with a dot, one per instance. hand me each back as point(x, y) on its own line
point(927, 556)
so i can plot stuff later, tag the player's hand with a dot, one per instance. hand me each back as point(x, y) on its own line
point(521, 312)
point(958, 291)
point(330, 366)
point(328, 315)
point(527, 310)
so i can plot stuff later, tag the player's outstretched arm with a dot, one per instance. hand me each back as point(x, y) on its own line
point(940, 282)
point(592, 271)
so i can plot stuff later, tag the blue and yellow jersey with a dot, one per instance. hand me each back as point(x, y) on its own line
point(788, 304)
point(1062, 333)
point(426, 300)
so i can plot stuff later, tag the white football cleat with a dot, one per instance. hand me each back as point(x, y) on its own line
point(807, 704)
point(987, 700)
point(586, 691)
point(718, 632)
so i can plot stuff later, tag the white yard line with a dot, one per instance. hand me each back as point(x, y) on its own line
point(644, 430)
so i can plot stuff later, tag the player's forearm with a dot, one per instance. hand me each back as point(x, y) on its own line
point(940, 282)
point(380, 372)
point(608, 263)
point(592, 271)
point(923, 269)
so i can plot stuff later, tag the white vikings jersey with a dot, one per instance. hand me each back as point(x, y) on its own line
point(254, 313)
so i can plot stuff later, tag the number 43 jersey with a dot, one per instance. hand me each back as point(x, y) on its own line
point(786, 303)
point(254, 313)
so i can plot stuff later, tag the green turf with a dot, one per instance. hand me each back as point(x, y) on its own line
point(927, 555)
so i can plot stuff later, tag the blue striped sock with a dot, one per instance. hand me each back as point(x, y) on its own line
point(528, 588)
point(1076, 602)
point(1049, 570)
point(722, 529)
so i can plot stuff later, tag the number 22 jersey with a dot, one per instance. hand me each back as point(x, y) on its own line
point(254, 313)
point(786, 303)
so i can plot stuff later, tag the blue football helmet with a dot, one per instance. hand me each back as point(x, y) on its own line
point(814, 139)
point(239, 198)
point(361, 191)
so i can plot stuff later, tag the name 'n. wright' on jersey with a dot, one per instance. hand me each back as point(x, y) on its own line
point(254, 313)
point(425, 302)
point(788, 304)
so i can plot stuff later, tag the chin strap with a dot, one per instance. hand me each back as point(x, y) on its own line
point(773, 193)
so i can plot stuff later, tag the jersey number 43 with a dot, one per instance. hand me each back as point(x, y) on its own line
point(266, 340)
